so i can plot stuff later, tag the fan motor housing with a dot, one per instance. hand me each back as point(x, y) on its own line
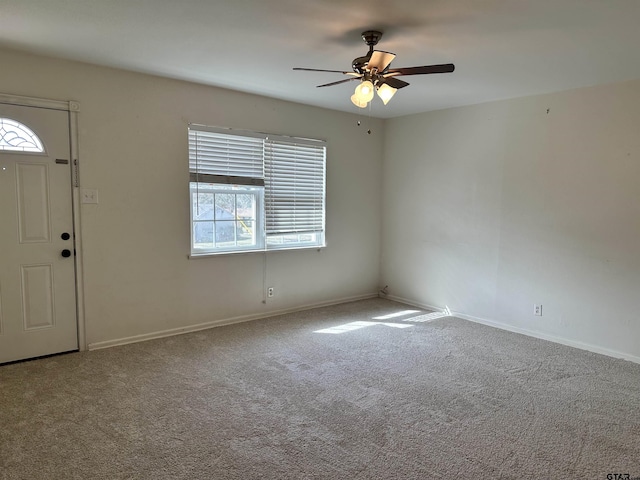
point(359, 64)
point(371, 38)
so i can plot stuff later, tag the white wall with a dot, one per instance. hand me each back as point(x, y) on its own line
point(133, 149)
point(489, 209)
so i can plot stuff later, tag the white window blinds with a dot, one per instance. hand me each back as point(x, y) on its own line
point(294, 185)
point(289, 171)
point(222, 156)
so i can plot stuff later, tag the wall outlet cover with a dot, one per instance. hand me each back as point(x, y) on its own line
point(89, 195)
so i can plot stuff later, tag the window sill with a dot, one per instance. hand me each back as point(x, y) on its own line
point(194, 256)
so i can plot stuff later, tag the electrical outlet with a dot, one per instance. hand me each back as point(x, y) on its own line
point(270, 292)
point(537, 310)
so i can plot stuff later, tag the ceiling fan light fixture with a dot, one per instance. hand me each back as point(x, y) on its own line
point(357, 102)
point(375, 75)
point(385, 92)
point(364, 91)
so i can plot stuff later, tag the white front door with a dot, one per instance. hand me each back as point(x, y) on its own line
point(37, 267)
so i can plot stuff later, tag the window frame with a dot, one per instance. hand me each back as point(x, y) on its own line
point(217, 188)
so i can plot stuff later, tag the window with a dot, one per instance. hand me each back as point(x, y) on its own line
point(17, 137)
point(225, 218)
point(252, 191)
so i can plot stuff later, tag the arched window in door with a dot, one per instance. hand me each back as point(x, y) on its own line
point(17, 137)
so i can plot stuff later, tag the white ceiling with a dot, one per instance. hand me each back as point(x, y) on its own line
point(501, 48)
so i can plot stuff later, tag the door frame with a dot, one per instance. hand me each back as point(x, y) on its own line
point(73, 108)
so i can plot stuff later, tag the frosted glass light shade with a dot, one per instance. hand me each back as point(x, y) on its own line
point(385, 92)
point(364, 91)
point(356, 101)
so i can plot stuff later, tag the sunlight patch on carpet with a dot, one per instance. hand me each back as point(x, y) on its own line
point(401, 313)
point(350, 327)
point(429, 317)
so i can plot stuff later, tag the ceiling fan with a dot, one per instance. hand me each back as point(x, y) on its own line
point(374, 74)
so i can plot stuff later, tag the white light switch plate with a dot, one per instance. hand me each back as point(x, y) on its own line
point(89, 195)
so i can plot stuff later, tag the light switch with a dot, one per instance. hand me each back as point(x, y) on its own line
point(89, 195)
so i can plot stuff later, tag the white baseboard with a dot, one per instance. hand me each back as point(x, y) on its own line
point(412, 303)
point(531, 333)
point(219, 323)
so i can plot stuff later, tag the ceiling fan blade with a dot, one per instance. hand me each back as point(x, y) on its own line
point(320, 70)
point(444, 68)
point(395, 82)
point(339, 82)
point(380, 60)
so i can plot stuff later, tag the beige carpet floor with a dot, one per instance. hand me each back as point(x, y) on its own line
point(276, 399)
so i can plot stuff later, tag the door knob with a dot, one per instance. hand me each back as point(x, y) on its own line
point(65, 236)
point(65, 253)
